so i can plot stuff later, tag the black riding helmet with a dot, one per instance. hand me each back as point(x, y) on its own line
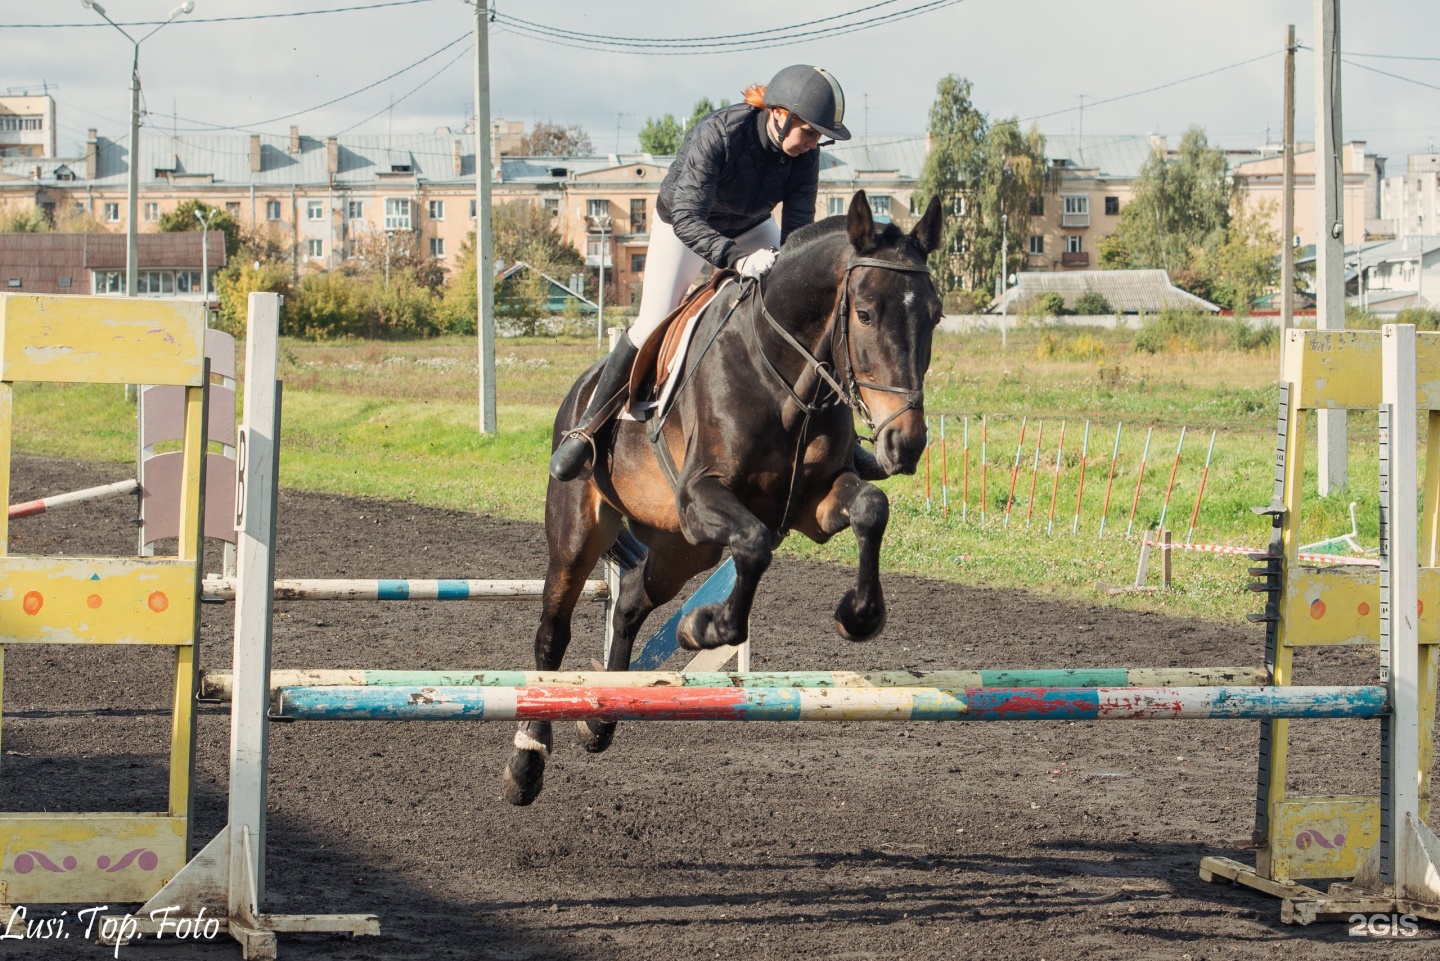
point(811, 95)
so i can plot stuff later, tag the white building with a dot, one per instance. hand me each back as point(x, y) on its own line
point(27, 126)
point(1408, 201)
point(1394, 274)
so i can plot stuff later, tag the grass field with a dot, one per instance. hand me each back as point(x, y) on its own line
point(399, 421)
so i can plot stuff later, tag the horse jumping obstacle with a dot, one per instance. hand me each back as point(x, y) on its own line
point(226, 877)
point(43, 504)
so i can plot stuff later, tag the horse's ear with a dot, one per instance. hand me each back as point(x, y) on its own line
point(860, 223)
point(927, 230)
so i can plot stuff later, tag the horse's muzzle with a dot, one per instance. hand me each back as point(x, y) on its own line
point(901, 443)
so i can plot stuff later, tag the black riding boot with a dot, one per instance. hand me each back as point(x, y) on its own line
point(574, 451)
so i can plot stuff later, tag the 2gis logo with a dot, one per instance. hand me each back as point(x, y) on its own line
point(1383, 926)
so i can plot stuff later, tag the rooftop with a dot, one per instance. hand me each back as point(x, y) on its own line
point(1128, 291)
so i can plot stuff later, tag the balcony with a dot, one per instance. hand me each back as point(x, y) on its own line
point(1077, 258)
point(1075, 220)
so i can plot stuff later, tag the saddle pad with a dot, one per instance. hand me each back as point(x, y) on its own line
point(657, 355)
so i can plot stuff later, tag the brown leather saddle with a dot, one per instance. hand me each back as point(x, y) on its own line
point(652, 363)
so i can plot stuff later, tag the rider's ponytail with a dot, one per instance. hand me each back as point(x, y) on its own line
point(755, 95)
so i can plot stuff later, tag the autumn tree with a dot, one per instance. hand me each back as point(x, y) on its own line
point(547, 139)
point(184, 217)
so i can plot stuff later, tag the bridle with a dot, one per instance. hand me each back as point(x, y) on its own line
point(847, 388)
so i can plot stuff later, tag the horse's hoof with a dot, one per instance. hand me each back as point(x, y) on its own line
point(853, 627)
point(524, 777)
point(699, 631)
point(595, 736)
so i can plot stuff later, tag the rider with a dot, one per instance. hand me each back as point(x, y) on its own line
point(715, 207)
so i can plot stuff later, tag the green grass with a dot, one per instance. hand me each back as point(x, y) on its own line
point(399, 421)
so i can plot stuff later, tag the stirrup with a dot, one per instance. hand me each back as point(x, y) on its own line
point(586, 468)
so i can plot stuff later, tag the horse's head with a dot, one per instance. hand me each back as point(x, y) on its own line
point(892, 309)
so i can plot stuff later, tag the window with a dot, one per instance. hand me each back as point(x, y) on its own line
point(14, 281)
point(637, 263)
point(435, 210)
point(597, 208)
point(835, 207)
point(1077, 204)
point(188, 282)
point(397, 213)
point(354, 209)
point(552, 204)
point(314, 247)
point(314, 210)
point(437, 247)
point(20, 123)
point(272, 210)
point(154, 282)
point(472, 210)
point(232, 207)
point(1073, 244)
point(1037, 244)
point(64, 283)
point(1112, 206)
point(112, 213)
point(1037, 206)
point(152, 212)
point(880, 206)
point(109, 281)
point(637, 216)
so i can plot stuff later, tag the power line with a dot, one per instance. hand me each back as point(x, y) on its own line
point(413, 90)
point(190, 20)
point(209, 127)
point(770, 32)
point(1163, 86)
point(595, 43)
point(1388, 56)
point(1386, 73)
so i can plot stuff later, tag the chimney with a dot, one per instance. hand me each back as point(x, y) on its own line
point(458, 164)
point(332, 155)
point(92, 154)
point(254, 153)
point(295, 140)
point(497, 170)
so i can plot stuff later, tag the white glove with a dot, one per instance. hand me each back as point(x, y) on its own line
point(757, 264)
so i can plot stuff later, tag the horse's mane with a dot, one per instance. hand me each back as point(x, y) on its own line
point(820, 231)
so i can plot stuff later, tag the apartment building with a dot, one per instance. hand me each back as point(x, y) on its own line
point(1093, 178)
point(27, 126)
point(1260, 181)
point(1410, 202)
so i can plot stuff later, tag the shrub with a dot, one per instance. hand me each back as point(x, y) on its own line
point(326, 305)
point(1092, 303)
point(234, 285)
point(1180, 331)
point(966, 302)
point(1424, 318)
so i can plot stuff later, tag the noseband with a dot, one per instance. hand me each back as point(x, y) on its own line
point(847, 389)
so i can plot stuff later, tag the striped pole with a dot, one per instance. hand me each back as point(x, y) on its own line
point(944, 474)
point(1015, 472)
point(984, 465)
point(1174, 468)
point(1134, 504)
point(30, 508)
point(1195, 514)
point(216, 685)
point(1055, 484)
point(1084, 453)
point(1114, 456)
point(825, 704)
point(927, 463)
point(401, 589)
point(965, 476)
point(1034, 473)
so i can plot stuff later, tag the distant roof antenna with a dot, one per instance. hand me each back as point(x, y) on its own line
point(1080, 138)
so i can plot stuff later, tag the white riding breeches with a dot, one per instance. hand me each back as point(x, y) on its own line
point(671, 267)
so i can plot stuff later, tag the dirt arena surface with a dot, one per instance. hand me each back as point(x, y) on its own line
point(689, 840)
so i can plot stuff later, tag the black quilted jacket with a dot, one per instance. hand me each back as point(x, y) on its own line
point(728, 177)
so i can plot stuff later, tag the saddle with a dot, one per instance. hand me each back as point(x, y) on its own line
point(657, 358)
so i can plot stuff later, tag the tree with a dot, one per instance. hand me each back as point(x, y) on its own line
point(1180, 208)
point(980, 172)
point(526, 231)
point(663, 135)
point(1092, 303)
point(547, 139)
point(183, 218)
point(24, 221)
point(1248, 262)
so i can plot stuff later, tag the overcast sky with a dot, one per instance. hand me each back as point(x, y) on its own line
point(1027, 59)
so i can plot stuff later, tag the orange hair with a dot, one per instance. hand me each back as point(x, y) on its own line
point(755, 95)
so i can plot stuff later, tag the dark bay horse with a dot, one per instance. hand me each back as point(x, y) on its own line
point(760, 434)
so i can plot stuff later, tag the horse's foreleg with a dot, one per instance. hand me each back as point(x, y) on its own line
point(862, 506)
point(711, 514)
point(668, 565)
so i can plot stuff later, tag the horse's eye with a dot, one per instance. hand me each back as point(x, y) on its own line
point(864, 316)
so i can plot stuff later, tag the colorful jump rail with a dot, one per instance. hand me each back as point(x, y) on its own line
point(402, 589)
point(43, 504)
point(573, 703)
point(217, 685)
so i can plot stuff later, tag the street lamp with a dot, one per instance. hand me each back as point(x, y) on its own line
point(602, 224)
point(205, 222)
point(132, 246)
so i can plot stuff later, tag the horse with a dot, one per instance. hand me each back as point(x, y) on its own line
point(757, 442)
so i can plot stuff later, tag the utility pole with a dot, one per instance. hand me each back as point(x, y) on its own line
point(205, 222)
point(484, 229)
point(1329, 225)
point(1287, 199)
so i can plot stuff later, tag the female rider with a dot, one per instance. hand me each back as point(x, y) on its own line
point(715, 207)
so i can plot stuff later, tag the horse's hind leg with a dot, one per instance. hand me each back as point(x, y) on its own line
point(668, 565)
point(579, 528)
